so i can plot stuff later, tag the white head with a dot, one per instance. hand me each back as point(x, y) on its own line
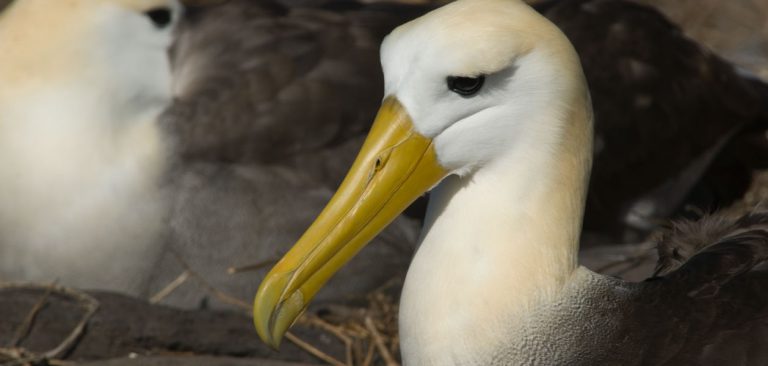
point(531, 75)
point(118, 47)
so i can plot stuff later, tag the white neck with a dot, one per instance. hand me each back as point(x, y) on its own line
point(496, 243)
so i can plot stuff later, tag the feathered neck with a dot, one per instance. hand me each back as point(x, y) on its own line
point(496, 244)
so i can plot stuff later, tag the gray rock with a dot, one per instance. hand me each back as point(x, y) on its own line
point(124, 326)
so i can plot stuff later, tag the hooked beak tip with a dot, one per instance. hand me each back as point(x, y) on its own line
point(274, 311)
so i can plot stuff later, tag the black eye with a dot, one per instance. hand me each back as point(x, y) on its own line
point(160, 17)
point(465, 86)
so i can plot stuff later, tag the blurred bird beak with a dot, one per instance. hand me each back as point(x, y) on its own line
point(394, 167)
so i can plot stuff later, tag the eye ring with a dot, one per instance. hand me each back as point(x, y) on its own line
point(465, 86)
point(161, 17)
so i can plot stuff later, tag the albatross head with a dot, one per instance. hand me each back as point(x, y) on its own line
point(468, 85)
point(120, 46)
point(479, 78)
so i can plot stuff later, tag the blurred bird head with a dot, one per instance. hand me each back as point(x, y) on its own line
point(118, 47)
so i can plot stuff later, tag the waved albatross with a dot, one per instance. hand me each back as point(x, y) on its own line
point(259, 82)
point(487, 106)
point(82, 156)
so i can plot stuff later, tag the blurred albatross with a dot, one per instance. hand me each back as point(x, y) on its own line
point(486, 104)
point(81, 154)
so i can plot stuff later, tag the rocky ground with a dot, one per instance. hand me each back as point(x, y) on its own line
point(53, 325)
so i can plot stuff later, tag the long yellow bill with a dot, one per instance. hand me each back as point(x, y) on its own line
point(394, 167)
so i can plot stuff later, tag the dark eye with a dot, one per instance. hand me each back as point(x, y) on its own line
point(160, 17)
point(465, 86)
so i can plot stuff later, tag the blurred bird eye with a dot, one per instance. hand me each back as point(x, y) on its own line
point(160, 17)
point(465, 86)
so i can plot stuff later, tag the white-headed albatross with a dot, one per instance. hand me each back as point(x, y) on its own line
point(486, 105)
point(259, 82)
point(81, 153)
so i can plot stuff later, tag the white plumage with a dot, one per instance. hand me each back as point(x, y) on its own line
point(81, 154)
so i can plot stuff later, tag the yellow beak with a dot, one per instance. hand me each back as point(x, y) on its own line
point(394, 167)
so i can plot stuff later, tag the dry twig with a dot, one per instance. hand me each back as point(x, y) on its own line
point(252, 267)
point(390, 361)
point(170, 288)
point(23, 357)
point(221, 295)
point(23, 331)
point(336, 331)
point(369, 355)
point(312, 350)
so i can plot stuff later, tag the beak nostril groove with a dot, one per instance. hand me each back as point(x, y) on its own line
point(381, 160)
